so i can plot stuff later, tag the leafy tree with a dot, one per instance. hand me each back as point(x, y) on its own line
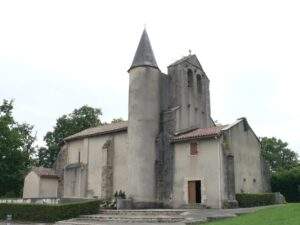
point(66, 125)
point(278, 155)
point(16, 151)
point(117, 120)
point(287, 182)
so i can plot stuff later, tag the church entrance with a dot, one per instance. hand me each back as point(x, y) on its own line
point(194, 190)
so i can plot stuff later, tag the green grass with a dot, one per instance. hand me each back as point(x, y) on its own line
point(288, 214)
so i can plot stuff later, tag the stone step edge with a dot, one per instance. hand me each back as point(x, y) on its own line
point(112, 211)
point(132, 219)
point(125, 222)
point(78, 221)
point(128, 216)
point(186, 222)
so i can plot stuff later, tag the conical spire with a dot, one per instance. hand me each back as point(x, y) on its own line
point(144, 55)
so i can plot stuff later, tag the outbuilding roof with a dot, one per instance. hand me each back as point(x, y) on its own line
point(199, 133)
point(209, 132)
point(103, 129)
point(45, 172)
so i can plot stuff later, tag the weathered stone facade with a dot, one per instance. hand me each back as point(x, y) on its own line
point(107, 169)
point(170, 152)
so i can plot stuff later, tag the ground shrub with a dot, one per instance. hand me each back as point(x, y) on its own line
point(287, 182)
point(48, 213)
point(251, 200)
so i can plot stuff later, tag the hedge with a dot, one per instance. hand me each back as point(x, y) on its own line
point(287, 182)
point(48, 213)
point(251, 200)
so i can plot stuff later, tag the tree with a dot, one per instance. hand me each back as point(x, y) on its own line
point(16, 151)
point(117, 120)
point(66, 125)
point(287, 182)
point(277, 154)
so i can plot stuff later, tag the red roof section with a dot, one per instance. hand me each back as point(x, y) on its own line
point(45, 172)
point(199, 133)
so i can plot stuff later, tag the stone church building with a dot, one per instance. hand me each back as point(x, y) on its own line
point(169, 152)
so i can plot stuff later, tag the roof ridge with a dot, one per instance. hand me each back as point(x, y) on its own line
point(101, 129)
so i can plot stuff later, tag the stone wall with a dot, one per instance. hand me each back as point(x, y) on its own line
point(246, 150)
point(48, 187)
point(183, 107)
point(59, 165)
point(107, 169)
point(143, 130)
point(31, 186)
point(192, 95)
point(205, 166)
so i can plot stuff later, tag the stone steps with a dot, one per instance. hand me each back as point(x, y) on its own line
point(128, 216)
point(136, 217)
point(88, 222)
point(194, 206)
point(143, 212)
point(79, 221)
point(150, 216)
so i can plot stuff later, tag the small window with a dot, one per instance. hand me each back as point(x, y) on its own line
point(199, 83)
point(193, 149)
point(79, 157)
point(190, 77)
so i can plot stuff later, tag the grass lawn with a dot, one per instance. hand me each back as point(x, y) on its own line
point(288, 214)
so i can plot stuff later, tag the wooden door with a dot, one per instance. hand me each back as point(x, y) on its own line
point(192, 192)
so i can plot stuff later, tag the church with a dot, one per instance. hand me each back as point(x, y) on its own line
point(170, 152)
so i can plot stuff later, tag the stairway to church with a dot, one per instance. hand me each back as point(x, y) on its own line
point(157, 216)
point(153, 216)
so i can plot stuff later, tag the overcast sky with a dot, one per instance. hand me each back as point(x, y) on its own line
point(56, 56)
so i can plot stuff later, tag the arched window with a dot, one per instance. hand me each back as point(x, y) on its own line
point(190, 77)
point(199, 83)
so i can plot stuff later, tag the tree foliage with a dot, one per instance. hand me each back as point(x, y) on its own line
point(277, 154)
point(117, 120)
point(287, 182)
point(16, 151)
point(66, 125)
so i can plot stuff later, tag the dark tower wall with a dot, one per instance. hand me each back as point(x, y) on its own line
point(185, 104)
point(144, 110)
point(189, 89)
point(143, 129)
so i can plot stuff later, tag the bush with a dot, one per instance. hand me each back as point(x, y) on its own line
point(48, 213)
point(120, 194)
point(287, 182)
point(251, 200)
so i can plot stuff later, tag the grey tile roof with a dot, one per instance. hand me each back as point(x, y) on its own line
point(95, 131)
point(144, 55)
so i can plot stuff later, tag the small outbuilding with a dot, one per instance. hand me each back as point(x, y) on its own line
point(41, 183)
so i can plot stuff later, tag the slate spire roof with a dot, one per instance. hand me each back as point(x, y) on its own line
point(144, 55)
